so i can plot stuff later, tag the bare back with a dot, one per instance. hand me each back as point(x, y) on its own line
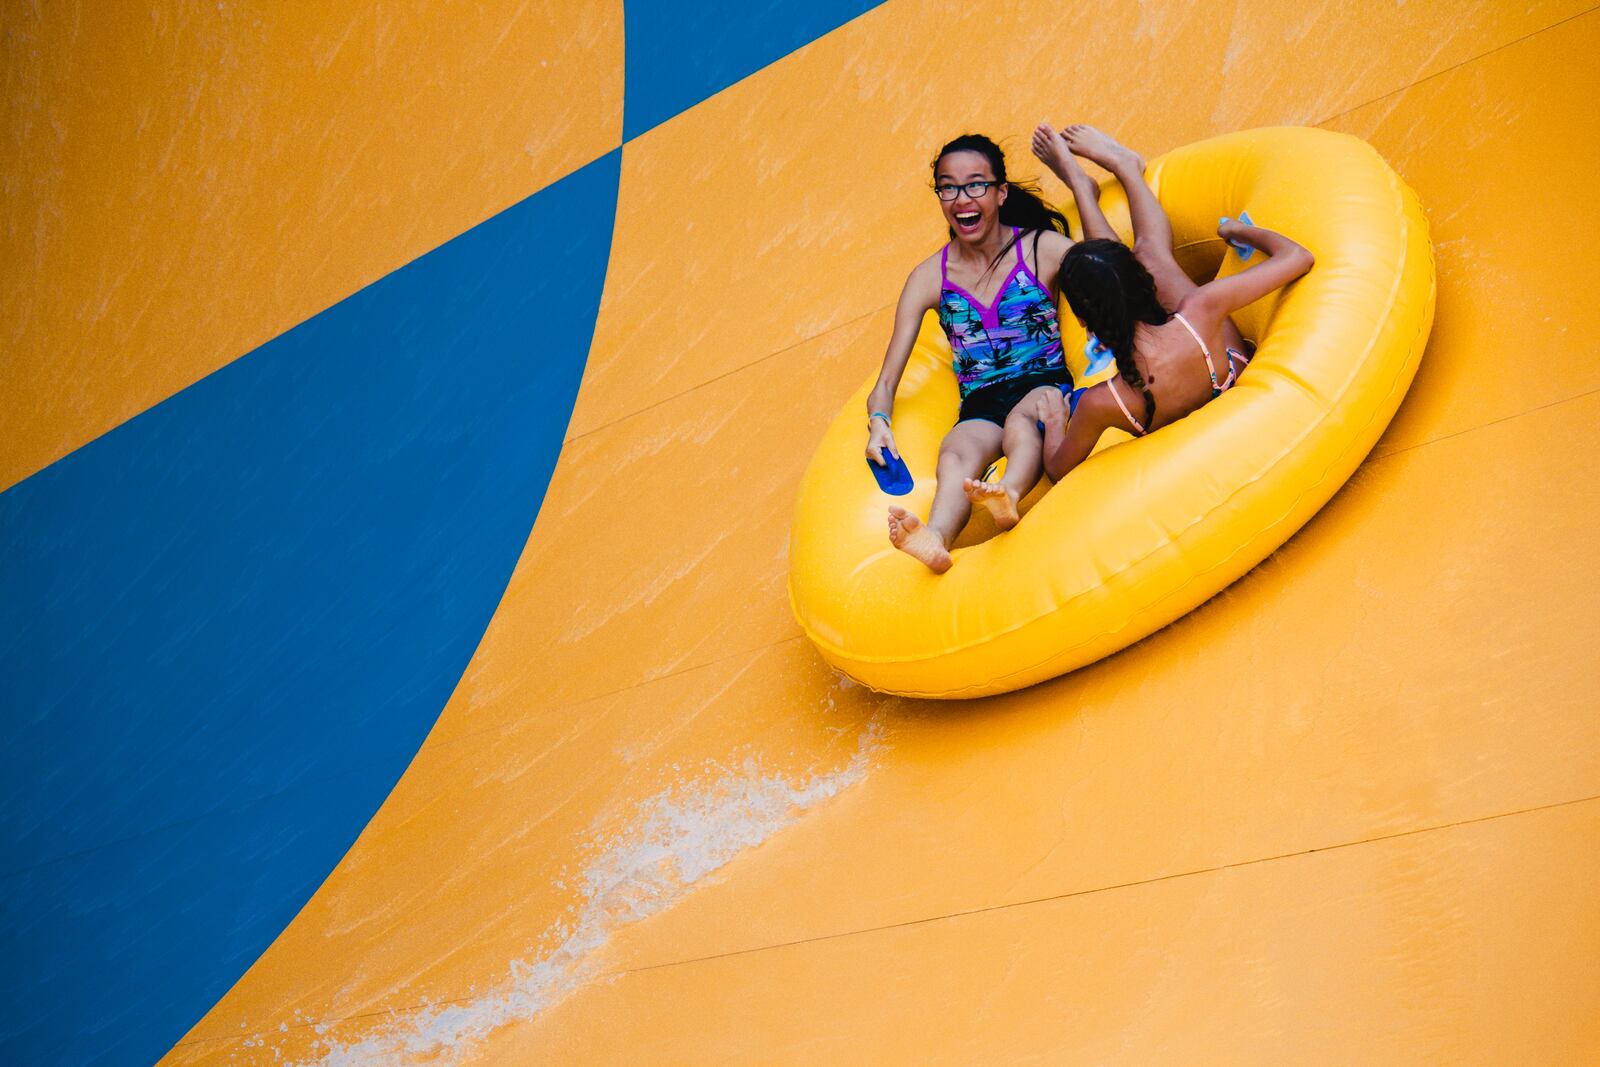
point(1174, 368)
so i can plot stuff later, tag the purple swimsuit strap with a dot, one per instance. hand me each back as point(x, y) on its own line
point(1032, 277)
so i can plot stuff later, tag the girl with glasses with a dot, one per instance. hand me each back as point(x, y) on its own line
point(993, 287)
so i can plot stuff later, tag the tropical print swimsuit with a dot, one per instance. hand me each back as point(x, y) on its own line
point(1018, 337)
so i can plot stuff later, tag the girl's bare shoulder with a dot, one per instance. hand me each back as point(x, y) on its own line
point(1054, 244)
point(925, 280)
point(1047, 248)
point(1097, 410)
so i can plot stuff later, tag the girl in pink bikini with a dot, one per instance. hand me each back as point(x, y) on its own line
point(993, 287)
point(1175, 346)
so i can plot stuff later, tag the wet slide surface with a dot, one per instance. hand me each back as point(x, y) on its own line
point(267, 497)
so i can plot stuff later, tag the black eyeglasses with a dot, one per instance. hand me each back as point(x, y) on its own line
point(976, 190)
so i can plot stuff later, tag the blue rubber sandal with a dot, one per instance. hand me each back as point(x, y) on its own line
point(894, 477)
point(1245, 251)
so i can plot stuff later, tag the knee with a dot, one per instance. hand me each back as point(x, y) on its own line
point(951, 459)
point(1022, 425)
point(1026, 414)
point(1020, 430)
point(959, 461)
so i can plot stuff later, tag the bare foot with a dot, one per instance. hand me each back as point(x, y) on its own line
point(909, 535)
point(1001, 502)
point(1092, 144)
point(1053, 152)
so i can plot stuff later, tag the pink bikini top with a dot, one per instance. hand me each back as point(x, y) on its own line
point(1217, 389)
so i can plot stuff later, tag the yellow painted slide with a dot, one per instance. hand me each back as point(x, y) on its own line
point(1346, 811)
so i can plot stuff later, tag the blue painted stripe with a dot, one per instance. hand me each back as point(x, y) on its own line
point(119, 950)
point(679, 54)
point(226, 626)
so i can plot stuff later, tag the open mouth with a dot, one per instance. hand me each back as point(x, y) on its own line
point(967, 221)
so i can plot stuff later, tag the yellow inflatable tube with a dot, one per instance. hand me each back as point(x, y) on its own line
point(1147, 530)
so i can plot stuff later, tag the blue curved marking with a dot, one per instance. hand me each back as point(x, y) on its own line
point(226, 626)
point(679, 54)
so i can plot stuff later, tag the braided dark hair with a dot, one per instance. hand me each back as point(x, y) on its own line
point(1024, 207)
point(1111, 291)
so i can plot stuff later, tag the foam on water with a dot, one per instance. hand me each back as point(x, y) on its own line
point(674, 839)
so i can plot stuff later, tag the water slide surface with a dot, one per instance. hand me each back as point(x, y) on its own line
point(403, 413)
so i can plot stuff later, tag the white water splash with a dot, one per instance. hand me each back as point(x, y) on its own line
point(676, 838)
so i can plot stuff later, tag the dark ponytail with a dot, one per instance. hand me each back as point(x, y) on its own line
point(1111, 291)
point(1024, 207)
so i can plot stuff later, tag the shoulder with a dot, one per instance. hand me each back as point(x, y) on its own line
point(929, 267)
point(1051, 247)
point(924, 282)
point(1100, 410)
point(1052, 243)
point(1199, 307)
point(1097, 404)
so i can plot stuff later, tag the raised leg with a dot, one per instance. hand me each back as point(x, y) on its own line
point(1152, 231)
point(1053, 151)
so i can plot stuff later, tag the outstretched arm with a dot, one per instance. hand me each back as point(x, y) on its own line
point(1051, 148)
point(1212, 302)
point(920, 294)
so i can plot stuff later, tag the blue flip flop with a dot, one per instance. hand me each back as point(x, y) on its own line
point(1245, 251)
point(894, 477)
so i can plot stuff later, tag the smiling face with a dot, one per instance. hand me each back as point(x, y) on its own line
point(973, 219)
